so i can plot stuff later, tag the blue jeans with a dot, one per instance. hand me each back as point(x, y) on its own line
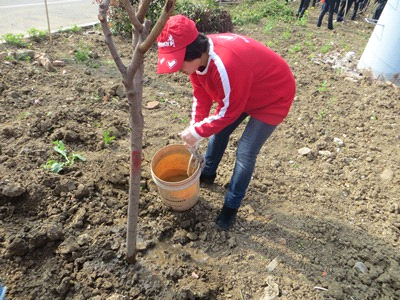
point(250, 143)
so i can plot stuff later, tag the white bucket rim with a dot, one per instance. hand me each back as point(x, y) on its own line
point(178, 185)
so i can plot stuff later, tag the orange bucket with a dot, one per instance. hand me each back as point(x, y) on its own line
point(177, 182)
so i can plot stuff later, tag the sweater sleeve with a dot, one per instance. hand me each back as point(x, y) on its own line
point(202, 102)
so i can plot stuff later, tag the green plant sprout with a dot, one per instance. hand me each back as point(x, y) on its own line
point(69, 159)
point(322, 114)
point(107, 137)
point(323, 88)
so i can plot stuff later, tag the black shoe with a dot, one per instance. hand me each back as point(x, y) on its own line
point(207, 179)
point(226, 217)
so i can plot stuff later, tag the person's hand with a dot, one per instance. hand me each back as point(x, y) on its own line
point(188, 138)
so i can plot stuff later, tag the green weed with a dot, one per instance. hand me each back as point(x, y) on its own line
point(326, 48)
point(14, 39)
point(324, 87)
point(322, 113)
point(82, 54)
point(303, 20)
point(74, 29)
point(107, 137)
point(296, 48)
point(24, 115)
point(270, 24)
point(56, 166)
point(287, 34)
point(36, 34)
point(310, 45)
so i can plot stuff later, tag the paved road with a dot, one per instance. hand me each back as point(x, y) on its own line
point(17, 16)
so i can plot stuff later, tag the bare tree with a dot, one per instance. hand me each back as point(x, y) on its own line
point(132, 79)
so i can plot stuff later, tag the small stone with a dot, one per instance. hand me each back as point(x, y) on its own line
point(384, 278)
point(325, 153)
point(386, 175)
point(192, 236)
point(82, 191)
point(232, 242)
point(338, 141)
point(304, 151)
point(58, 63)
point(152, 105)
point(273, 264)
point(13, 190)
point(335, 291)
point(282, 241)
point(360, 267)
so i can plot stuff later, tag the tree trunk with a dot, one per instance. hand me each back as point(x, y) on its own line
point(132, 78)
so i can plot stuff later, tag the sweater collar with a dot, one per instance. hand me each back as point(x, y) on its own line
point(210, 54)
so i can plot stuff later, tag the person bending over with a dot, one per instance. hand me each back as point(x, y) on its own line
point(244, 78)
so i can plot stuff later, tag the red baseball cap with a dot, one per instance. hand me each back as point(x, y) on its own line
point(179, 31)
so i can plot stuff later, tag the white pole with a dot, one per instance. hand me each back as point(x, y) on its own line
point(381, 55)
point(48, 19)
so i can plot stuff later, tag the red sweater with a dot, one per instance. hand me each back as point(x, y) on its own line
point(242, 75)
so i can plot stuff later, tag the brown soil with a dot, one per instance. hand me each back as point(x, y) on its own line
point(311, 220)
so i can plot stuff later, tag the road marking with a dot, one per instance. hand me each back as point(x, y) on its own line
point(39, 4)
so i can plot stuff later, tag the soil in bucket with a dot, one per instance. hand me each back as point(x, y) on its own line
point(177, 182)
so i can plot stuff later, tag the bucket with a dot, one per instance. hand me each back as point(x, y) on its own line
point(381, 55)
point(178, 184)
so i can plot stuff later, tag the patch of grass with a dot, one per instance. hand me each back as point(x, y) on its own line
point(296, 48)
point(74, 29)
point(303, 20)
point(82, 54)
point(270, 24)
point(181, 119)
point(287, 34)
point(253, 11)
point(326, 48)
point(56, 166)
point(310, 45)
point(24, 115)
point(37, 35)
point(14, 40)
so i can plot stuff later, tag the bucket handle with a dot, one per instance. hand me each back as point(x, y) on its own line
point(195, 157)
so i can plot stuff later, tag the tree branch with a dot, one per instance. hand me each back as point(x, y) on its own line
point(103, 8)
point(143, 9)
point(132, 17)
point(158, 27)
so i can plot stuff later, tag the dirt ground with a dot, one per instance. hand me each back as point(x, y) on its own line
point(321, 219)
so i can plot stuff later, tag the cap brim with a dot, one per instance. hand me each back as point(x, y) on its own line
point(170, 62)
